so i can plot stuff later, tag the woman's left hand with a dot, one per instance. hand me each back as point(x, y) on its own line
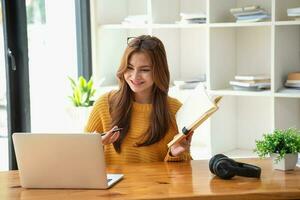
point(182, 146)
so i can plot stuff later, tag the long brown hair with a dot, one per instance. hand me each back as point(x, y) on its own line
point(121, 100)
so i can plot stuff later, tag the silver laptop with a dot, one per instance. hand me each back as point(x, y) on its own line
point(62, 161)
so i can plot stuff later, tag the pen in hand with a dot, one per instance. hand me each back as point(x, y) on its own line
point(111, 136)
point(116, 129)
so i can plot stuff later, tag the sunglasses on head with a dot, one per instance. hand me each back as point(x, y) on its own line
point(147, 43)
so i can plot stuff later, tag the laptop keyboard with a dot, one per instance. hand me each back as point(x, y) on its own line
point(109, 179)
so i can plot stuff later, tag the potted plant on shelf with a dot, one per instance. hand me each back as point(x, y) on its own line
point(82, 99)
point(282, 145)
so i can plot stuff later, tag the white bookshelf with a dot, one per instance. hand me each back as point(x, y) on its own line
point(219, 48)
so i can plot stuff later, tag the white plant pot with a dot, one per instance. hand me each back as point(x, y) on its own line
point(288, 162)
point(79, 117)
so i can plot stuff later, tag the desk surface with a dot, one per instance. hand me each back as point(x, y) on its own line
point(189, 180)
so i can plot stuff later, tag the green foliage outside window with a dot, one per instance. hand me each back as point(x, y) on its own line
point(36, 12)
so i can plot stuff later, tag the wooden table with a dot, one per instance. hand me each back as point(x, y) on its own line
point(188, 180)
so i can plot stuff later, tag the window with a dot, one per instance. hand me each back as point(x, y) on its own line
point(51, 27)
point(3, 112)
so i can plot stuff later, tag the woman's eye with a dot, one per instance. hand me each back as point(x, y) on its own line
point(129, 68)
point(146, 70)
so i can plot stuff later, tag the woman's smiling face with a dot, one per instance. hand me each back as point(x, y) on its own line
point(139, 74)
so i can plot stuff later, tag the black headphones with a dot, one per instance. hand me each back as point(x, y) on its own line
point(226, 168)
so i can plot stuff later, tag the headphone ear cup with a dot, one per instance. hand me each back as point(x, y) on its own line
point(224, 168)
point(213, 160)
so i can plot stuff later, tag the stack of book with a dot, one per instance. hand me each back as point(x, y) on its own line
point(293, 80)
point(249, 14)
point(190, 83)
point(294, 12)
point(251, 82)
point(192, 18)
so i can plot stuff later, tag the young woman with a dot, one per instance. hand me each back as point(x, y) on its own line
point(141, 108)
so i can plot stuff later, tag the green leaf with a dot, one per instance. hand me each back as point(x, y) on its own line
point(82, 83)
point(73, 83)
point(281, 142)
point(90, 84)
point(83, 91)
point(77, 96)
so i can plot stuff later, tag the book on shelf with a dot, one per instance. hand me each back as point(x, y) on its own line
point(254, 12)
point(249, 14)
point(293, 11)
point(256, 81)
point(243, 9)
point(251, 7)
point(250, 77)
point(292, 85)
point(199, 15)
point(192, 18)
point(245, 84)
point(293, 81)
point(252, 18)
point(198, 107)
point(251, 88)
point(190, 83)
point(293, 76)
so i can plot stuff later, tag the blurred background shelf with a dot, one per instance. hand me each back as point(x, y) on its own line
point(220, 49)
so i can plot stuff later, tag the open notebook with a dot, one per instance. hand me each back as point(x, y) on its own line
point(198, 107)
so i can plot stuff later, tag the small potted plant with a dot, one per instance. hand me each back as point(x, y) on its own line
point(83, 92)
point(82, 99)
point(282, 145)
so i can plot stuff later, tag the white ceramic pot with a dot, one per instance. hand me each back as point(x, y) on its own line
point(288, 162)
point(79, 117)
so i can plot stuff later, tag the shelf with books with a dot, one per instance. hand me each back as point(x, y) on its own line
point(221, 48)
point(239, 122)
point(287, 113)
point(286, 59)
point(281, 8)
point(238, 50)
point(225, 11)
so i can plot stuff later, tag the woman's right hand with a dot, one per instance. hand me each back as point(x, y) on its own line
point(110, 136)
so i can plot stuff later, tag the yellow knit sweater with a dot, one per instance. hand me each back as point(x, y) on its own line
point(100, 121)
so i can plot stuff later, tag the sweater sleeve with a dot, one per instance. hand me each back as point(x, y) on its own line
point(95, 121)
point(182, 157)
